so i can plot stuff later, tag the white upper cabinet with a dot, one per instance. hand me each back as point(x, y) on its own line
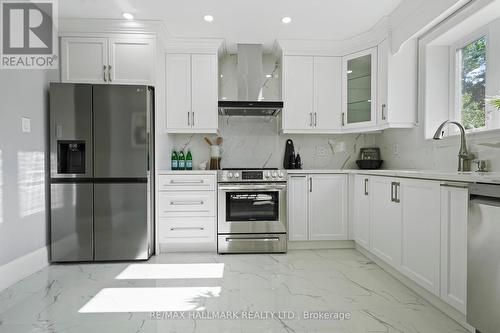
point(397, 86)
point(327, 93)
point(298, 93)
point(312, 94)
point(359, 89)
point(204, 92)
point(362, 214)
point(178, 91)
point(107, 60)
point(327, 207)
point(131, 61)
point(420, 231)
point(84, 60)
point(191, 93)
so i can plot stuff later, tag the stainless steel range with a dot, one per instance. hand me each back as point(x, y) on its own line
point(252, 211)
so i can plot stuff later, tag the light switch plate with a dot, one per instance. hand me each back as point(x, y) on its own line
point(26, 124)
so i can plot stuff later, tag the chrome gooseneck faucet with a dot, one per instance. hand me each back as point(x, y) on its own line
point(464, 157)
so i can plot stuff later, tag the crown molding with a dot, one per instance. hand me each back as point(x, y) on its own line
point(196, 45)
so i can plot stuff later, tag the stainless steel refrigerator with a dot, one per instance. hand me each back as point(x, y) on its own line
point(101, 183)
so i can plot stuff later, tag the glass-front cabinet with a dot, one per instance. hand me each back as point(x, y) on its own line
point(359, 89)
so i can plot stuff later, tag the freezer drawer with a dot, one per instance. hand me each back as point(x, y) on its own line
point(120, 221)
point(71, 222)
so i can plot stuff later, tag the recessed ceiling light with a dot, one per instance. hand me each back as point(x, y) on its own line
point(269, 76)
point(128, 16)
point(286, 19)
point(208, 18)
point(349, 72)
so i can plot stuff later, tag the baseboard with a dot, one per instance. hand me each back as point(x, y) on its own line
point(20, 268)
point(422, 292)
point(318, 245)
point(187, 247)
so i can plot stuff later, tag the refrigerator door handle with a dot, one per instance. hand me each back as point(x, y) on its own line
point(104, 73)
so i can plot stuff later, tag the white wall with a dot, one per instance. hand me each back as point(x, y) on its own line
point(23, 219)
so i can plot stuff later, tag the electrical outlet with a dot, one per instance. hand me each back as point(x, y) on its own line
point(395, 149)
point(26, 124)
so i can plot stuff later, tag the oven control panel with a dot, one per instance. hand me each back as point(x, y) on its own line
point(251, 176)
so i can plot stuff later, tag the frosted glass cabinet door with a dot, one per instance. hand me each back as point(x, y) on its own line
point(359, 89)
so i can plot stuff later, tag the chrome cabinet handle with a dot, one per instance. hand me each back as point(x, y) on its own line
point(173, 181)
point(395, 192)
point(366, 186)
point(192, 118)
point(256, 239)
point(342, 118)
point(315, 119)
point(310, 185)
point(104, 73)
point(186, 203)
point(109, 73)
point(384, 106)
point(189, 118)
point(187, 228)
point(392, 191)
point(310, 119)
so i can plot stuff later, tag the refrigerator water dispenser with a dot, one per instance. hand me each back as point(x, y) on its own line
point(71, 157)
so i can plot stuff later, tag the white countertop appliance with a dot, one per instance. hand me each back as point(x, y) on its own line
point(252, 211)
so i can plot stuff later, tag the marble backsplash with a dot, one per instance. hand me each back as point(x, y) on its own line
point(255, 142)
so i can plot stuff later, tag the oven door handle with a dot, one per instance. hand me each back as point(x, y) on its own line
point(254, 239)
point(252, 187)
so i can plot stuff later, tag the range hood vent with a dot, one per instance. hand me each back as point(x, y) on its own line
point(250, 84)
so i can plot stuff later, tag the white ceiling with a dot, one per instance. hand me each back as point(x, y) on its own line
point(245, 21)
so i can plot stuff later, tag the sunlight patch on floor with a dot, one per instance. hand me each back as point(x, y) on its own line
point(172, 271)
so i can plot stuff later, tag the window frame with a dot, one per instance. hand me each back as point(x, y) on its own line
point(455, 94)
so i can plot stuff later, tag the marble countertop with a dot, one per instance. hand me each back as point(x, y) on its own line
point(467, 177)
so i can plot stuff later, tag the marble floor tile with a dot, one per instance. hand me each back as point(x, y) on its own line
point(223, 293)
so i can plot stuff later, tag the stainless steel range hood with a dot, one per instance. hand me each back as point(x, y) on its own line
point(250, 83)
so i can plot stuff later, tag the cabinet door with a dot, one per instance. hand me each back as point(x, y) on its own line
point(382, 77)
point(362, 210)
point(204, 91)
point(327, 207)
point(178, 92)
point(84, 60)
point(360, 89)
point(385, 229)
point(131, 61)
point(298, 96)
point(297, 208)
point(420, 202)
point(454, 212)
point(327, 93)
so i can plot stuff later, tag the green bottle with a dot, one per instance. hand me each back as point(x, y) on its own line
point(182, 161)
point(174, 160)
point(189, 160)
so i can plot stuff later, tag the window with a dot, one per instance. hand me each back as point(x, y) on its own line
point(471, 87)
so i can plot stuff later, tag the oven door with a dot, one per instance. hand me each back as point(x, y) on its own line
point(252, 208)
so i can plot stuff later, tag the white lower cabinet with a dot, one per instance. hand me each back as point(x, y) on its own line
point(454, 212)
point(385, 238)
point(186, 209)
point(420, 204)
point(317, 207)
point(419, 227)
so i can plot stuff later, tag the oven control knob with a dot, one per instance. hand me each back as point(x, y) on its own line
point(267, 174)
point(230, 175)
point(275, 174)
point(280, 174)
point(237, 175)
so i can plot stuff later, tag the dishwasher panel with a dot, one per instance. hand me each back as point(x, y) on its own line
point(483, 259)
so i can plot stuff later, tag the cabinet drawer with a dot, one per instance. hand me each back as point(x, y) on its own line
point(175, 204)
point(187, 229)
point(186, 183)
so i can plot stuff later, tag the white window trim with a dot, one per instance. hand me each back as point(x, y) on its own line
point(454, 111)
